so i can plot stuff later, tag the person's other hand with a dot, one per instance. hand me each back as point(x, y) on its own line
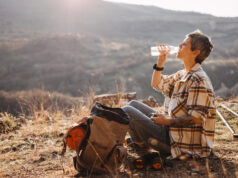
point(160, 119)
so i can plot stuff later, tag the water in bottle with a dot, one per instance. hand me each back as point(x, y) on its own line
point(155, 50)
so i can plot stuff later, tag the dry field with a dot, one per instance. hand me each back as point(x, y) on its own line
point(29, 147)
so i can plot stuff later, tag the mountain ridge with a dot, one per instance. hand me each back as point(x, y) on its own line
point(47, 45)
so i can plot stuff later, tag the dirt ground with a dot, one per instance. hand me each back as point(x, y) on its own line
point(31, 149)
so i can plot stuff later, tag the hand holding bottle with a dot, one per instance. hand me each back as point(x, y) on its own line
point(163, 51)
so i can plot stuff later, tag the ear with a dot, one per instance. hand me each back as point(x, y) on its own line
point(196, 52)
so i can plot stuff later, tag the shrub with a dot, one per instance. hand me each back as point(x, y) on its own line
point(7, 122)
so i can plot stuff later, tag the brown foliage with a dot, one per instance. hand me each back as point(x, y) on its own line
point(28, 102)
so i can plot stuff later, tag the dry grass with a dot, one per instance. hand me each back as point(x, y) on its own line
point(31, 150)
point(34, 101)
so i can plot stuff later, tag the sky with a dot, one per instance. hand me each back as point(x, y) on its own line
point(220, 8)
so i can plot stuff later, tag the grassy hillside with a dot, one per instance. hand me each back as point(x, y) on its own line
point(29, 147)
point(72, 64)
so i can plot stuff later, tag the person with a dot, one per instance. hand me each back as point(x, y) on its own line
point(188, 125)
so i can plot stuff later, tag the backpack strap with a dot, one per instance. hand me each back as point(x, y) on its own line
point(110, 154)
point(79, 166)
point(84, 142)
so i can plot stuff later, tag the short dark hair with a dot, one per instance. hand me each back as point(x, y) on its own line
point(201, 42)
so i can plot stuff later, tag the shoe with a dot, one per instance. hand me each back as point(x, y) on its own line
point(152, 160)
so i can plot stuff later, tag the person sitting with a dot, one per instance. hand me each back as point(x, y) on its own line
point(188, 125)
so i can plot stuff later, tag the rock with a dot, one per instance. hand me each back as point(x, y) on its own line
point(61, 134)
point(41, 159)
point(14, 149)
point(131, 96)
point(6, 150)
point(150, 101)
point(122, 99)
point(112, 99)
point(54, 154)
point(26, 139)
point(219, 99)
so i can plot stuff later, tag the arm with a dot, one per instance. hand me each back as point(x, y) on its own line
point(183, 121)
point(164, 83)
point(198, 102)
point(156, 77)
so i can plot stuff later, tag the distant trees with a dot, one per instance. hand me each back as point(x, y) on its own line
point(72, 64)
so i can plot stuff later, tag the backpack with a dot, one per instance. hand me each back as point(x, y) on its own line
point(98, 140)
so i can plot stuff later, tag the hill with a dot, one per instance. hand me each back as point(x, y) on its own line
point(26, 19)
point(30, 145)
point(102, 45)
point(72, 64)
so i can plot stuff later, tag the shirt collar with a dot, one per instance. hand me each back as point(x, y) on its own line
point(186, 75)
point(195, 68)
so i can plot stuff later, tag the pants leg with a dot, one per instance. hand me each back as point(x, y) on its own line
point(143, 129)
point(142, 107)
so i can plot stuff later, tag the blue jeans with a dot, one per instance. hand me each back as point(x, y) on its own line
point(143, 130)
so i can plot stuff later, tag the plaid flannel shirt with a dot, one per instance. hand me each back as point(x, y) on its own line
point(190, 93)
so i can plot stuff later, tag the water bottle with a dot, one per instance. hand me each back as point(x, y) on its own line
point(155, 50)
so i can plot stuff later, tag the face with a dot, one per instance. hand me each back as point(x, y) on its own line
point(185, 50)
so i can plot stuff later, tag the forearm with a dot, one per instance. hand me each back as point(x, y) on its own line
point(156, 77)
point(184, 121)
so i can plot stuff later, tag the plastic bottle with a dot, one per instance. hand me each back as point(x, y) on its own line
point(155, 50)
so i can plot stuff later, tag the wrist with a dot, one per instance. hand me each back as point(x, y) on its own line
point(155, 67)
point(169, 122)
point(160, 64)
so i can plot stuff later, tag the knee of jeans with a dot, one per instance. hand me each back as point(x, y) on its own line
point(133, 102)
point(126, 108)
point(129, 110)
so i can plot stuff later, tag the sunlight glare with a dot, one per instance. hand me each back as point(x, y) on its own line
point(71, 4)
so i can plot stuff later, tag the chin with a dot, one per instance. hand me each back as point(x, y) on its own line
point(179, 57)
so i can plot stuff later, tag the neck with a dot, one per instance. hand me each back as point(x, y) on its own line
point(188, 65)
